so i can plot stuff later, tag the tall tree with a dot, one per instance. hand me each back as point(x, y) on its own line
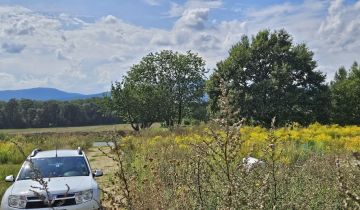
point(50, 114)
point(12, 114)
point(160, 87)
point(345, 96)
point(269, 76)
point(139, 105)
point(71, 114)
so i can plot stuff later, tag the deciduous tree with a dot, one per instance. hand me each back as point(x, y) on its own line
point(269, 76)
point(160, 88)
point(345, 96)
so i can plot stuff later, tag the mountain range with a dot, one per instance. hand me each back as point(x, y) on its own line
point(44, 94)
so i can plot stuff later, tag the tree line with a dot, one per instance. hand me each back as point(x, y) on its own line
point(264, 76)
point(27, 113)
point(345, 96)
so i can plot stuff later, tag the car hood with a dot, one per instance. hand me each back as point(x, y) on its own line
point(55, 185)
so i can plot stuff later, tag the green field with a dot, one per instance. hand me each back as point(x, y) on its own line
point(96, 128)
point(196, 167)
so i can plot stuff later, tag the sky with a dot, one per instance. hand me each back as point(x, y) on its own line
point(85, 45)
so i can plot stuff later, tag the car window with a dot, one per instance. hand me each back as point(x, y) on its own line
point(55, 167)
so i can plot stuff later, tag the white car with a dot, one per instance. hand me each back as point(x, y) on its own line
point(70, 182)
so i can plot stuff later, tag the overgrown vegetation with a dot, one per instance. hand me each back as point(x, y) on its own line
point(203, 168)
point(186, 168)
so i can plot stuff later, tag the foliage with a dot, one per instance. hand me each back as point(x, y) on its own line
point(162, 87)
point(27, 113)
point(164, 169)
point(345, 96)
point(269, 76)
point(141, 106)
point(186, 168)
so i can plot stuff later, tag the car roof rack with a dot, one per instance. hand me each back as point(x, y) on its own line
point(79, 151)
point(34, 152)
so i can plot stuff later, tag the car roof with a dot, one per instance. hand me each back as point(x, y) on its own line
point(60, 153)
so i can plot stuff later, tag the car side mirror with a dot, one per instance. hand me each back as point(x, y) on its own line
point(10, 178)
point(98, 173)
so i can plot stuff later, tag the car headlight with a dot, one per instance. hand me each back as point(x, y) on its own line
point(17, 201)
point(83, 196)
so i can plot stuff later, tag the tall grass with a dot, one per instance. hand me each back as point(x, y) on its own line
point(186, 168)
point(203, 167)
point(5, 170)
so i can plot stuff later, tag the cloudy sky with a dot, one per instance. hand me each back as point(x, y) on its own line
point(84, 45)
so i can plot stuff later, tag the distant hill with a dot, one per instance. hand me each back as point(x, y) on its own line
point(44, 94)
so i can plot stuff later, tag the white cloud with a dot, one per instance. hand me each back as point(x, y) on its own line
point(20, 28)
point(193, 19)
point(60, 55)
point(357, 5)
point(329, 28)
point(272, 10)
point(13, 47)
point(11, 82)
point(110, 19)
point(116, 58)
point(341, 28)
point(68, 53)
point(6, 79)
point(211, 4)
point(153, 2)
point(177, 10)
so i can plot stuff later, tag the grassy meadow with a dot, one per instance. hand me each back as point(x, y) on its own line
point(202, 167)
point(95, 128)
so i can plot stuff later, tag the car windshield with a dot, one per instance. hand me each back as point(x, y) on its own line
point(54, 167)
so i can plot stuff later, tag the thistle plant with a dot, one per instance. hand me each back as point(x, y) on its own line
point(222, 179)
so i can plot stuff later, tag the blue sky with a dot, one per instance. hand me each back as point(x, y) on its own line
point(146, 13)
point(84, 45)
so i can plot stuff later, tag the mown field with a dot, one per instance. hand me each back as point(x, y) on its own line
point(95, 128)
point(202, 167)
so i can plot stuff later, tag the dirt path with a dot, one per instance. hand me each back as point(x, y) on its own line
point(99, 161)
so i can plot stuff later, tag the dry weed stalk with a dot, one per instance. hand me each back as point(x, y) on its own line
point(273, 144)
point(121, 196)
point(221, 175)
point(347, 193)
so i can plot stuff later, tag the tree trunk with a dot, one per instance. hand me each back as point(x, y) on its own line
point(179, 113)
point(135, 126)
point(144, 125)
